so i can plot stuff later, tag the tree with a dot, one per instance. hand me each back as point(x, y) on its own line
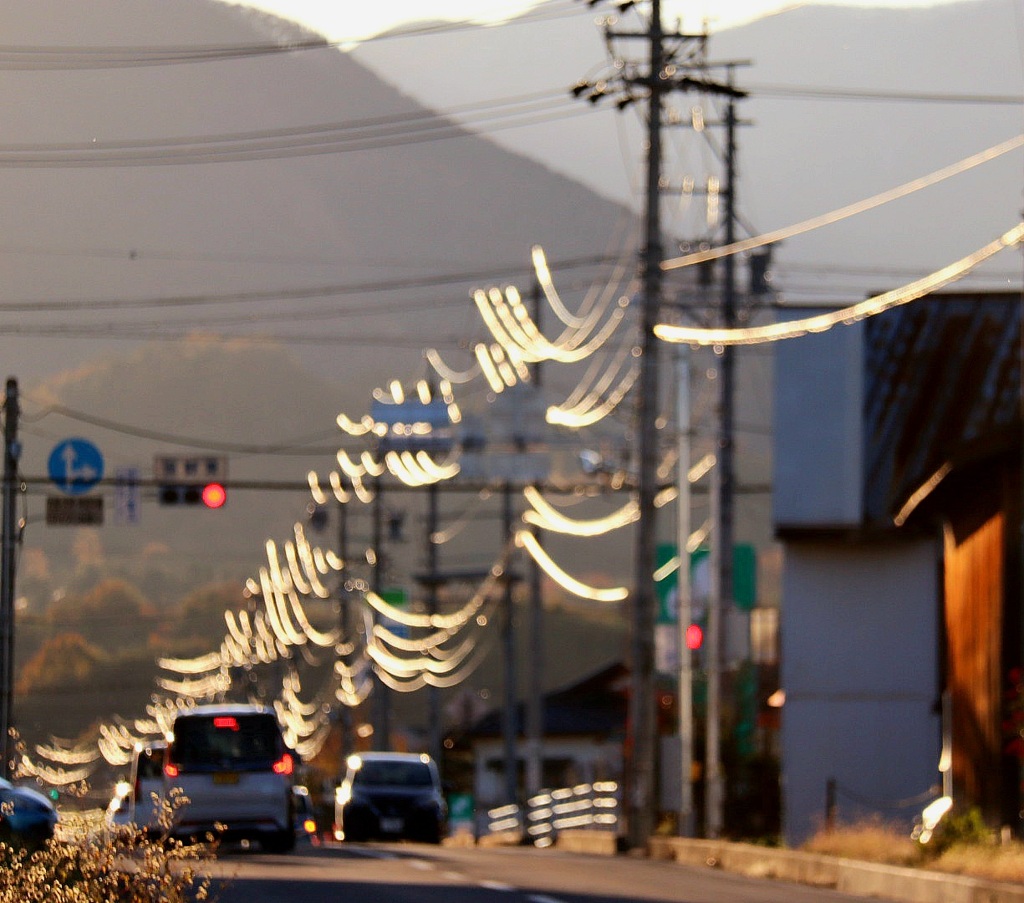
point(65, 660)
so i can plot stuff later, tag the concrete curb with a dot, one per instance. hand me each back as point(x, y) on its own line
point(861, 879)
point(602, 843)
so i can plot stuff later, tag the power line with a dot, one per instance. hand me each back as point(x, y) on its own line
point(807, 92)
point(289, 294)
point(268, 145)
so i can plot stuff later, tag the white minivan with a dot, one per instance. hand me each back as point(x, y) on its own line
point(140, 801)
point(236, 773)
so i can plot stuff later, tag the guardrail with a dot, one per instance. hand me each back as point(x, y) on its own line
point(583, 807)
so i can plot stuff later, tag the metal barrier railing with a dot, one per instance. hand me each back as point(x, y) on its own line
point(583, 807)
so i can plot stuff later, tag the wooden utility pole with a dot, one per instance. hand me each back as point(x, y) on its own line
point(12, 452)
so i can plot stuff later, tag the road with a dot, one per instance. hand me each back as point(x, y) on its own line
point(408, 873)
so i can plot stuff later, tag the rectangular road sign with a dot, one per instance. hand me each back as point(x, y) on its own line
point(74, 510)
point(190, 468)
point(126, 495)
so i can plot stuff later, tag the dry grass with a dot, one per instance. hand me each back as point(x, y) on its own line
point(997, 862)
point(877, 842)
point(868, 841)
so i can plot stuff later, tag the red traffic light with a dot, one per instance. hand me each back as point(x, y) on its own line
point(214, 495)
point(694, 637)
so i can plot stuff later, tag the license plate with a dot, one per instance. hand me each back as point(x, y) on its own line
point(225, 777)
point(392, 825)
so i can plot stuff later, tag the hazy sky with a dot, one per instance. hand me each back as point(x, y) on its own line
point(352, 20)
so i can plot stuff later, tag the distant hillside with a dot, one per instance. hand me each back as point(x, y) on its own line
point(250, 403)
point(313, 230)
point(292, 195)
point(844, 103)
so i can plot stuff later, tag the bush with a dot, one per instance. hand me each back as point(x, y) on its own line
point(83, 865)
point(965, 828)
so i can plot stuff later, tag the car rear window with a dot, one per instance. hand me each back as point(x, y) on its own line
point(404, 774)
point(226, 741)
point(151, 764)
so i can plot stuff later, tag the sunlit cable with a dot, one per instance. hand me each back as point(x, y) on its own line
point(529, 542)
point(850, 210)
point(869, 308)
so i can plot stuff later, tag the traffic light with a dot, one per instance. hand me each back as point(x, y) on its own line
point(210, 495)
point(694, 637)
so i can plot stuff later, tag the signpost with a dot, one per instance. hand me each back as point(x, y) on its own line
point(127, 495)
point(75, 466)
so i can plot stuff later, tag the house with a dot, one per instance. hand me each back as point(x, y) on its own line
point(897, 499)
point(583, 731)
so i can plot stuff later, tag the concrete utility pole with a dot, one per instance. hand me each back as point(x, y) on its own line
point(510, 711)
point(346, 746)
point(433, 692)
point(381, 698)
point(723, 493)
point(12, 452)
point(666, 72)
point(534, 716)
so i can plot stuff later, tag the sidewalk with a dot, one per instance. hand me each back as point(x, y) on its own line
point(905, 885)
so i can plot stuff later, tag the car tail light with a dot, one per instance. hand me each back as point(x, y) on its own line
point(171, 770)
point(285, 765)
point(226, 723)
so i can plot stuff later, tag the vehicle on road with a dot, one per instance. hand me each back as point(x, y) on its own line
point(231, 764)
point(27, 818)
point(306, 830)
point(140, 801)
point(390, 796)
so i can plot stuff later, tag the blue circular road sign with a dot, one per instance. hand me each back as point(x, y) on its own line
point(75, 466)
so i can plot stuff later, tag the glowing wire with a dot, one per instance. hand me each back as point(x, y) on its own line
point(314, 487)
point(488, 368)
point(869, 308)
point(199, 665)
point(848, 211)
point(340, 492)
point(445, 372)
point(529, 542)
point(547, 517)
point(578, 420)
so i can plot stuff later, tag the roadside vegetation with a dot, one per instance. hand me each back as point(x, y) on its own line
point(87, 862)
point(961, 845)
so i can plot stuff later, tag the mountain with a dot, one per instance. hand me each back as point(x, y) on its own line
point(843, 103)
point(158, 179)
point(210, 246)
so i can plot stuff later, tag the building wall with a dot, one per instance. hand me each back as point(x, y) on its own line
point(577, 759)
point(860, 640)
point(818, 431)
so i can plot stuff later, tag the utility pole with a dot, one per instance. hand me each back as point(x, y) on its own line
point(667, 70)
point(684, 598)
point(509, 714)
point(433, 578)
point(381, 700)
point(534, 727)
point(346, 746)
point(723, 493)
point(12, 452)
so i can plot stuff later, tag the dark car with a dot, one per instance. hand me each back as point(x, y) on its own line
point(390, 796)
point(27, 818)
point(305, 816)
